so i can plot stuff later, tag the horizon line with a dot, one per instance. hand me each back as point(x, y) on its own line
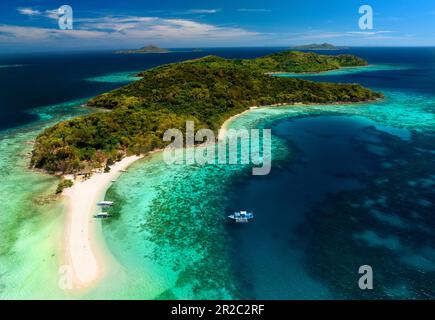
point(339, 47)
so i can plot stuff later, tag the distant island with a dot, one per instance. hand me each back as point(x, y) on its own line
point(303, 62)
point(147, 49)
point(315, 46)
point(208, 91)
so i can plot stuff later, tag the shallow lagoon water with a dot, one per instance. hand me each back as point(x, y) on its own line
point(31, 219)
point(176, 217)
point(345, 71)
point(119, 77)
point(171, 235)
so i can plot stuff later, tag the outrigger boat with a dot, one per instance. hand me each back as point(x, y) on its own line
point(102, 215)
point(105, 203)
point(242, 216)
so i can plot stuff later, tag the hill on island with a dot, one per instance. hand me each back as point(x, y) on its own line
point(147, 49)
point(207, 91)
point(300, 62)
point(315, 46)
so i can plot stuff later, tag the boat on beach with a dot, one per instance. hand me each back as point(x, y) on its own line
point(102, 215)
point(105, 203)
point(241, 216)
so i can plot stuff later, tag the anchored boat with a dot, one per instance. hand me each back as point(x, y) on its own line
point(242, 216)
point(105, 203)
point(102, 215)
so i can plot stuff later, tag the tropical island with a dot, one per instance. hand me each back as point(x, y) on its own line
point(303, 62)
point(208, 91)
point(147, 49)
point(316, 46)
point(133, 119)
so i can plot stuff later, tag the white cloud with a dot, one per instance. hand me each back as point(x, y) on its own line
point(136, 26)
point(19, 34)
point(203, 11)
point(322, 35)
point(28, 11)
point(52, 14)
point(368, 33)
point(130, 29)
point(343, 38)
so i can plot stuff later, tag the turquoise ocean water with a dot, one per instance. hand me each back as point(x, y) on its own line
point(174, 218)
point(350, 185)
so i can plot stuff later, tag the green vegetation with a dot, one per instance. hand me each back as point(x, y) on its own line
point(299, 62)
point(64, 183)
point(207, 91)
point(147, 49)
point(89, 142)
point(315, 46)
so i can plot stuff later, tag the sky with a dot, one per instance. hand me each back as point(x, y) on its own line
point(32, 25)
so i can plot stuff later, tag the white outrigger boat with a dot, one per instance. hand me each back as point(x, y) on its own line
point(105, 203)
point(242, 216)
point(102, 215)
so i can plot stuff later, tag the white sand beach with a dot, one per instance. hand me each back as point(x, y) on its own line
point(224, 128)
point(85, 250)
point(86, 257)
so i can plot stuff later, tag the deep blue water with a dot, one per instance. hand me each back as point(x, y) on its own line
point(354, 192)
point(268, 248)
point(419, 76)
point(311, 211)
point(37, 80)
point(46, 79)
point(316, 222)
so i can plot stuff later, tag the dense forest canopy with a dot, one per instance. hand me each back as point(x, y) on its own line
point(207, 90)
point(299, 62)
point(317, 46)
